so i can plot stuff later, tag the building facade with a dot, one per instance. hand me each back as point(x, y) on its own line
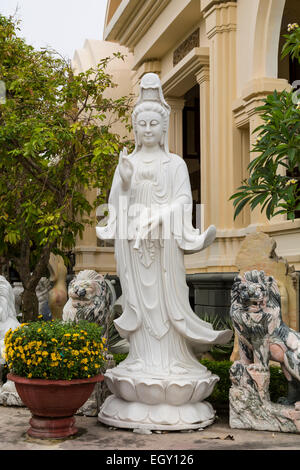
point(216, 60)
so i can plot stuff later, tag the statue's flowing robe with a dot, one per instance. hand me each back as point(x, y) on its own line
point(157, 317)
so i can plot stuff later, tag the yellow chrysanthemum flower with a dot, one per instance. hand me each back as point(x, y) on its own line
point(291, 181)
point(54, 364)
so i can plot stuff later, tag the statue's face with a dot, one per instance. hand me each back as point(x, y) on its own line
point(149, 128)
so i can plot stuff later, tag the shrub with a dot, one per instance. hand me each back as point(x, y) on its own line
point(220, 352)
point(55, 350)
point(278, 384)
point(119, 358)
point(220, 395)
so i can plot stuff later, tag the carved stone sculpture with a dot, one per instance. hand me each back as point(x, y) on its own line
point(18, 290)
point(8, 320)
point(8, 316)
point(58, 294)
point(42, 291)
point(263, 336)
point(161, 384)
point(90, 298)
point(258, 251)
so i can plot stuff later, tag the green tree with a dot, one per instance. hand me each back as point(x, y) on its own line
point(56, 143)
point(271, 184)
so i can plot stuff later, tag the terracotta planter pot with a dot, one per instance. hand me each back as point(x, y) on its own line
point(53, 403)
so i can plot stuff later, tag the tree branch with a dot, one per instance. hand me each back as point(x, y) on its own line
point(30, 166)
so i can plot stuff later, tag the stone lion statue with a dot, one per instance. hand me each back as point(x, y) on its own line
point(262, 334)
point(90, 298)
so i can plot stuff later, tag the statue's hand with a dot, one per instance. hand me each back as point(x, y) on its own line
point(125, 168)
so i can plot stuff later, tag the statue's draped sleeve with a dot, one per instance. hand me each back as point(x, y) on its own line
point(188, 238)
point(130, 319)
point(109, 232)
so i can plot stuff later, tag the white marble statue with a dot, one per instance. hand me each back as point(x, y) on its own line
point(8, 319)
point(18, 290)
point(161, 384)
point(8, 315)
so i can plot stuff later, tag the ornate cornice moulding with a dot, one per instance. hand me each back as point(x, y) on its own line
point(254, 91)
point(206, 5)
point(220, 18)
point(132, 19)
point(183, 76)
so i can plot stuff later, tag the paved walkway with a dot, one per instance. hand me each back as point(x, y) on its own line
point(93, 435)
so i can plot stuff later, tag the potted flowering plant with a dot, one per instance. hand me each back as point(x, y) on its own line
point(55, 366)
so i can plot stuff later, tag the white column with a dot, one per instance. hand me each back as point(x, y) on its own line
point(221, 32)
point(203, 80)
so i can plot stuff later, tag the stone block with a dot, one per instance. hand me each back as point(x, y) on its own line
point(250, 405)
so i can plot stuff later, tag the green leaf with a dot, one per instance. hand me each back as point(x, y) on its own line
point(240, 206)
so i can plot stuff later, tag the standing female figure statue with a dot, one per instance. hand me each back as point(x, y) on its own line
point(161, 384)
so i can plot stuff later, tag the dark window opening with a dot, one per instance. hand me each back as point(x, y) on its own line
point(191, 143)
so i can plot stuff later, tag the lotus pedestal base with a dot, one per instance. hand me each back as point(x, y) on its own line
point(132, 415)
point(170, 403)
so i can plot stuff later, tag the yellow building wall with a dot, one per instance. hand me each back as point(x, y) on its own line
point(235, 65)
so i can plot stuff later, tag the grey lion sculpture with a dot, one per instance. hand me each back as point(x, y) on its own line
point(90, 298)
point(263, 336)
